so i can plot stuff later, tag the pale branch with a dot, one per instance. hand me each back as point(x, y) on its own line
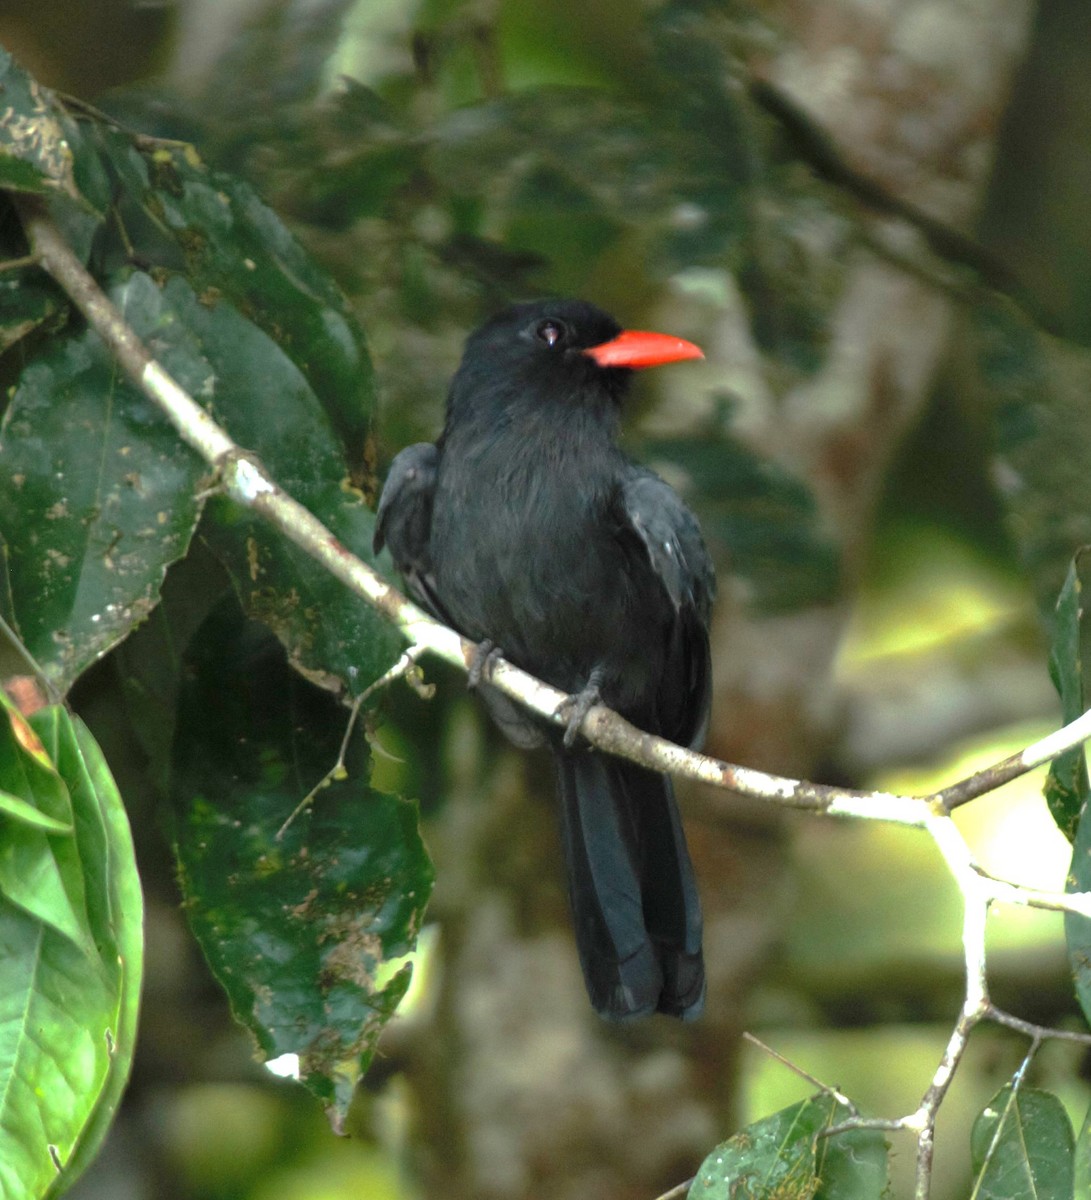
point(990, 778)
point(678, 1192)
point(242, 477)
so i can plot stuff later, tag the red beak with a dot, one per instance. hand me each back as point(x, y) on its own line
point(635, 349)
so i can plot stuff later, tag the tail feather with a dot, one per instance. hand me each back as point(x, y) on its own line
point(634, 898)
point(672, 905)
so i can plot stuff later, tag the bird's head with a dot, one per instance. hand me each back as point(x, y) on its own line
point(566, 351)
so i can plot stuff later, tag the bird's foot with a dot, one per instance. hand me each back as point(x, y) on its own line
point(578, 705)
point(481, 664)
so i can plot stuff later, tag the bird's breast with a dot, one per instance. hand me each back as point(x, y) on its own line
point(526, 554)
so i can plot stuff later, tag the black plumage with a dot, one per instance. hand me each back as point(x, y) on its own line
point(526, 528)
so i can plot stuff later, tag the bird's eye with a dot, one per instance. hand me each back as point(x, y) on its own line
point(550, 332)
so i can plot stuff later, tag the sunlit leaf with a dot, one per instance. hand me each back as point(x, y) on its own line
point(115, 909)
point(69, 996)
point(20, 810)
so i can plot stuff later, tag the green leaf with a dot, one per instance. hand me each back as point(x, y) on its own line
point(99, 494)
point(34, 152)
point(1066, 784)
point(25, 305)
point(329, 633)
point(69, 1004)
point(784, 1156)
point(115, 908)
point(213, 228)
point(852, 1165)
point(150, 662)
point(1022, 1147)
point(332, 636)
point(103, 494)
point(19, 810)
point(1078, 928)
point(1082, 1167)
point(302, 930)
point(40, 872)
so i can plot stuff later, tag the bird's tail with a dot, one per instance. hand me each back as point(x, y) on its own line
point(634, 897)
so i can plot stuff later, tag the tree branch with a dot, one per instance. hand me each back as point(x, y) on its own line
point(243, 477)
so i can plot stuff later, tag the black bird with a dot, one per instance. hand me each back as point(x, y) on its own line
point(528, 530)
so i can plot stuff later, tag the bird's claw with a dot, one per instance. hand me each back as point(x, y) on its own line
point(575, 708)
point(481, 664)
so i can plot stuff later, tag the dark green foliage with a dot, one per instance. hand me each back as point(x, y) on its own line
point(297, 927)
point(99, 498)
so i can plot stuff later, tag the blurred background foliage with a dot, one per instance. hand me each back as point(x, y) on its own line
point(874, 218)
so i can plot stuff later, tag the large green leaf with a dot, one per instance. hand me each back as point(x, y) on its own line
point(1022, 1147)
point(102, 496)
point(35, 155)
point(214, 229)
point(68, 1004)
point(786, 1155)
point(300, 930)
point(115, 909)
point(1082, 1165)
point(329, 633)
point(98, 494)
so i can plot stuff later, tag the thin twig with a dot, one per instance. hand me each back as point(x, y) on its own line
point(677, 1192)
point(17, 264)
point(1037, 1033)
point(403, 666)
point(798, 1070)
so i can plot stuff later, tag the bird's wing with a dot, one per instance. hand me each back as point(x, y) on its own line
point(404, 520)
point(671, 539)
point(404, 524)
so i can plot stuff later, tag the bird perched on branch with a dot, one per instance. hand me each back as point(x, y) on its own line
point(528, 530)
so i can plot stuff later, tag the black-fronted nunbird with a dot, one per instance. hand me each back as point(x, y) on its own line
point(528, 530)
